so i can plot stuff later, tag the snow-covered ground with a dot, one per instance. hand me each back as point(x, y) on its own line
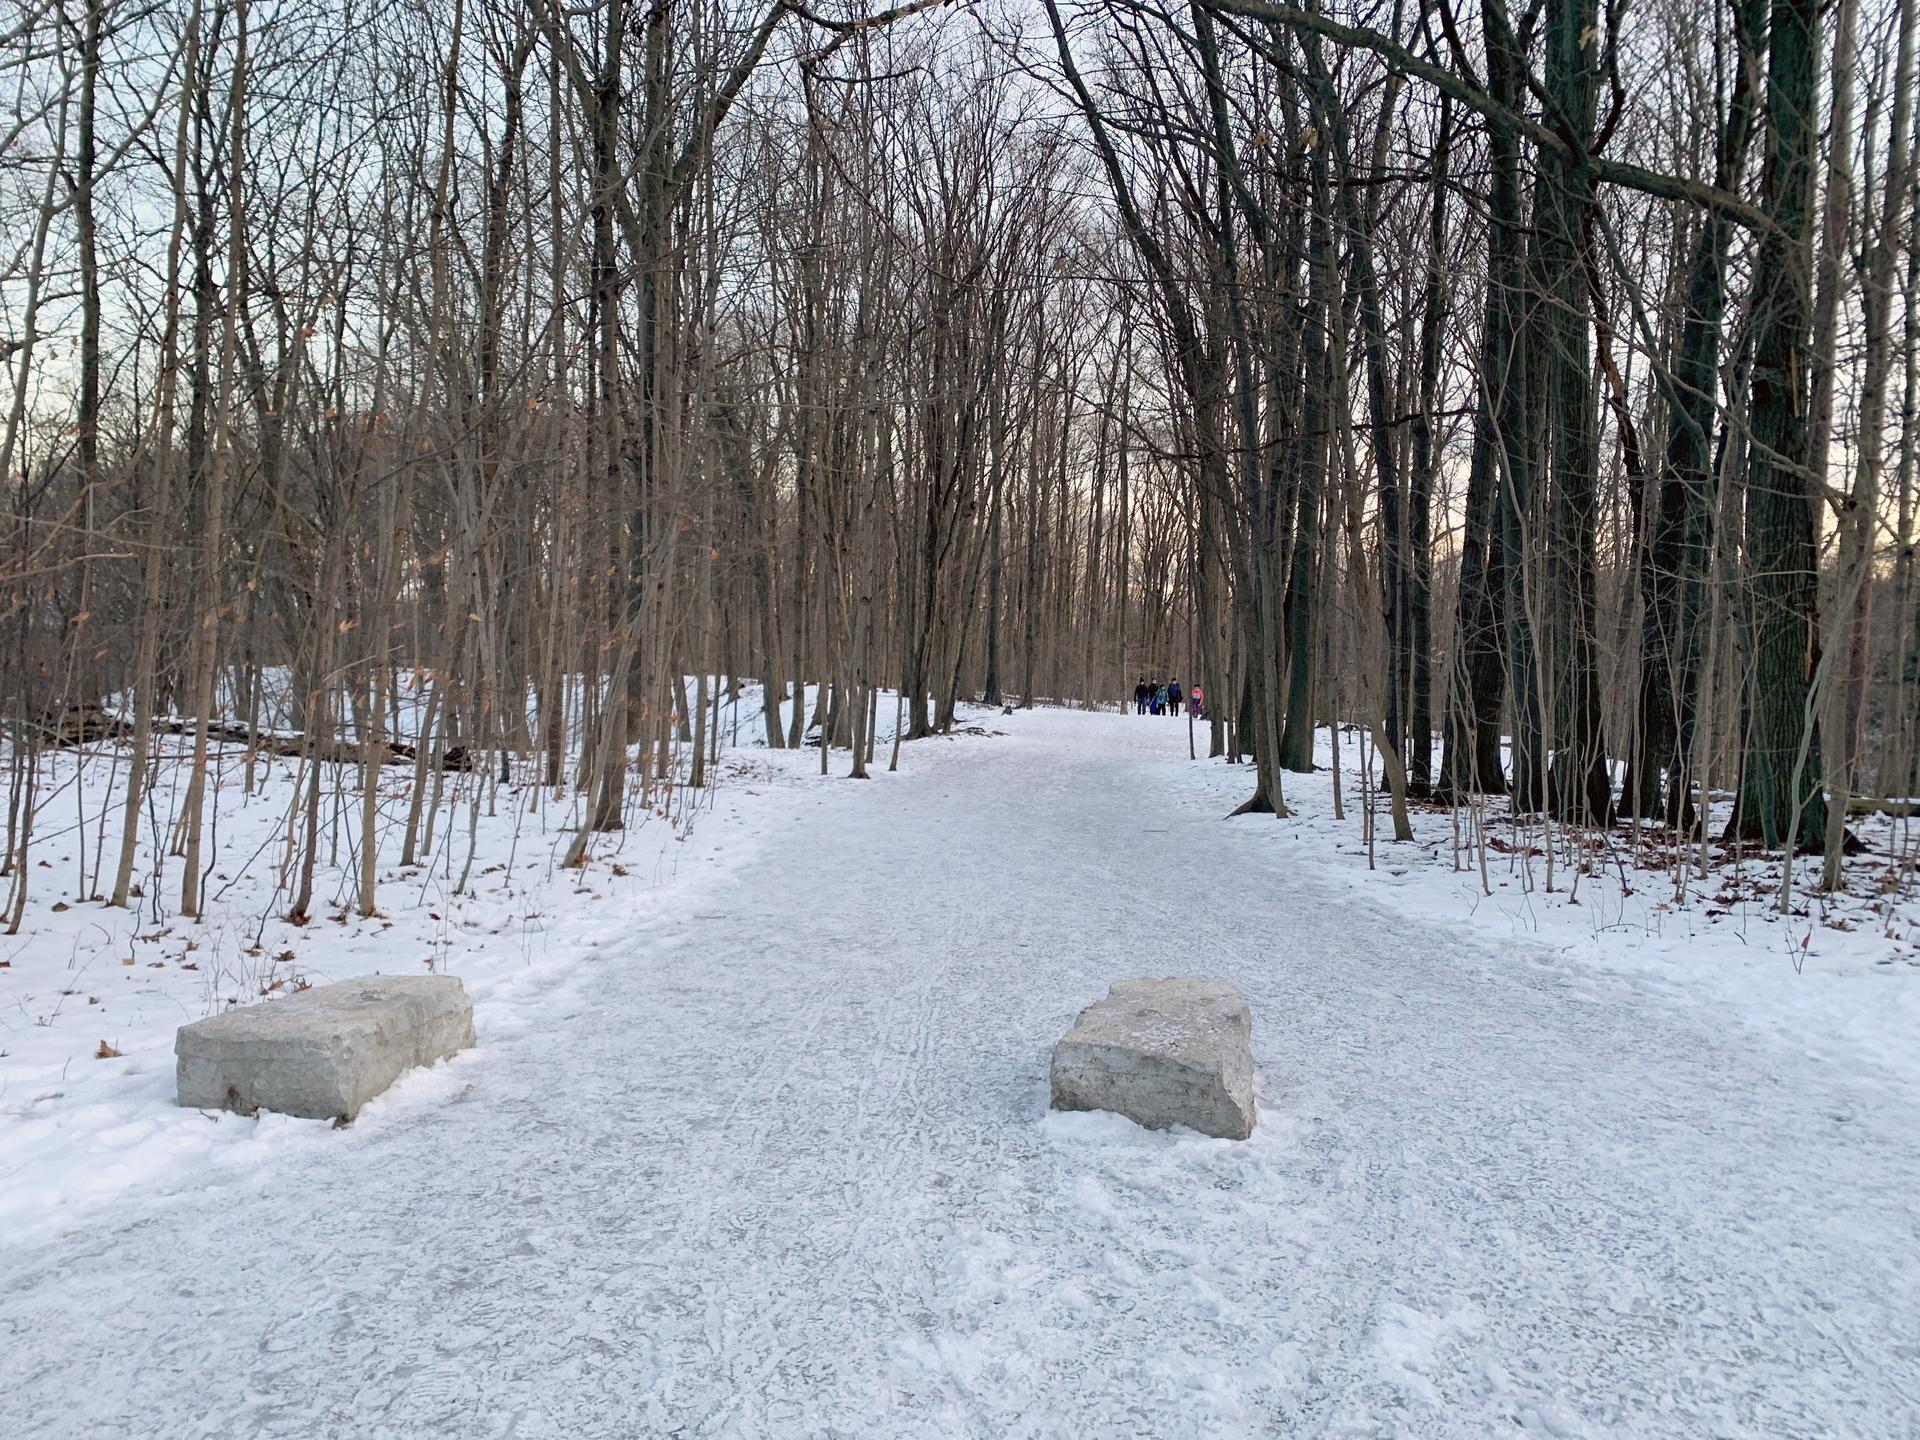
point(756, 1143)
point(90, 995)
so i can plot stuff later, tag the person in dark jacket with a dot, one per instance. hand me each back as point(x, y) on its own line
point(1174, 706)
point(1140, 694)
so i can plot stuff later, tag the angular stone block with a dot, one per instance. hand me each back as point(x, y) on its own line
point(1162, 1052)
point(323, 1052)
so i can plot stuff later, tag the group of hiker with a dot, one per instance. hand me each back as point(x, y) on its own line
point(1152, 698)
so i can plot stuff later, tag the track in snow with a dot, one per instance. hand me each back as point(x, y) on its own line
point(780, 1166)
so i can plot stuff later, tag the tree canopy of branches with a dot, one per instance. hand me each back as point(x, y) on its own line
point(1533, 388)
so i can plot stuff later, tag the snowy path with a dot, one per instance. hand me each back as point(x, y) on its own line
point(781, 1167)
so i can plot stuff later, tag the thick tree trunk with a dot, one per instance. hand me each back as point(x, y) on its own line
point(1780, 802)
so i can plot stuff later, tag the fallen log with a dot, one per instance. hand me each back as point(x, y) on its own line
point(1866, 805)
point(85, 724)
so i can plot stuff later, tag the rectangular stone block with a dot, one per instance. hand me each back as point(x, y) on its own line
point(324, 1052)
point(1162, 1053)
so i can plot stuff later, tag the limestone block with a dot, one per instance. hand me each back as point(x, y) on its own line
point(1162, 1052)
point(323, 1052)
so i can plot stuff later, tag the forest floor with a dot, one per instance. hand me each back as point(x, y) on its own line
point(755, 1141)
